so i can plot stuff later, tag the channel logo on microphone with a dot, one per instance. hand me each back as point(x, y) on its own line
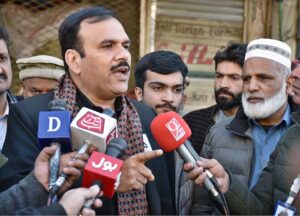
point(53, 126)
point(94, 127)
point(103, 168)
point(91, 122)
point(175, 128)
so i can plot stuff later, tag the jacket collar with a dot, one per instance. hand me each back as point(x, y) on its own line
point(212, 111)
point(240, 122)
point(11, 98)
point(296, 117)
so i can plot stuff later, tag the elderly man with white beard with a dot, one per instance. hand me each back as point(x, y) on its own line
point(243, 144)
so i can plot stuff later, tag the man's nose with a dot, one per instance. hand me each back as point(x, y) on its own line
point(123, 54)
point(225, 83)
point(253, 85)
point(168, 96)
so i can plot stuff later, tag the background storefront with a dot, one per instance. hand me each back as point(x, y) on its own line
point(195, 29)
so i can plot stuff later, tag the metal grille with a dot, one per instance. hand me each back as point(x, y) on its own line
point(33, 25)
point(225, 10)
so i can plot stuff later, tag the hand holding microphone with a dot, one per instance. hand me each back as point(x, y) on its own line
point(198, 173)
point(41, 166)
point(73, 200)
point(172, 133)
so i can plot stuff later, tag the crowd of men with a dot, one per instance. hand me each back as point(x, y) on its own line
point(248, 140)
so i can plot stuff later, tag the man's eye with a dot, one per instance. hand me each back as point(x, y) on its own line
point(263, 78)
point(235, 77)
point(107, 46)
point(178, 90)
point(3, 58)
point(127, 46)
point(35, 91)
point(156, 88)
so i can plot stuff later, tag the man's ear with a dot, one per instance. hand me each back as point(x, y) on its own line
point(138, 93)
point(73, 60)
point(289, 86)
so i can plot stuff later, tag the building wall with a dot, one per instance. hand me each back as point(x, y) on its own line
point(33, 25)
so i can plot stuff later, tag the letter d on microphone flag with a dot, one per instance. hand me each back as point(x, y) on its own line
point(55, 126)
point(103, 168)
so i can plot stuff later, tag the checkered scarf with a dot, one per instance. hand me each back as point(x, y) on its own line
point(132, 202)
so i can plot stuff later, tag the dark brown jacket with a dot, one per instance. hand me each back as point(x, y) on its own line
point(200, 121)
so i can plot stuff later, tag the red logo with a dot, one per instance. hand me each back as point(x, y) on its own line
point(113, 134)
point(175, 128)
point(91, 122)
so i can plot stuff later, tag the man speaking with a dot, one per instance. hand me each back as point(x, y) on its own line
point(95, 50)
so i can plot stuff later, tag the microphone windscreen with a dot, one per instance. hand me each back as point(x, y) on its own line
point(170, 131)
point(116, 147)
point(57, 105)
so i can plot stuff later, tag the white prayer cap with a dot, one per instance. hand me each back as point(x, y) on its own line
point(41, 66)
point(271, 49)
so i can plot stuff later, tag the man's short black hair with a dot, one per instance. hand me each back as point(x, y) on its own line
point(68, 30)
point(234, 52)
point(4, 36)
point(161, 62)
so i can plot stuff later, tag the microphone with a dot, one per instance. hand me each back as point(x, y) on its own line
point(171, 133)
point(53, 129)
point(89, 127)
point(105, 169)
point(293, 191)
point(93, 127)
point(53, 125)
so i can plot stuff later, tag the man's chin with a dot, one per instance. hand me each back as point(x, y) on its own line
point(227, 106)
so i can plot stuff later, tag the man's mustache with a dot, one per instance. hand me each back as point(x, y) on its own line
point(224, 91)
point(169, 106)
point(121, 64)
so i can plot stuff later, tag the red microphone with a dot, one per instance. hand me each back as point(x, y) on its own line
point(171, 133)
point(105, 168)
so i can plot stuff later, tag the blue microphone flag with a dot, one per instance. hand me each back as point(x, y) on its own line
point(54, 126)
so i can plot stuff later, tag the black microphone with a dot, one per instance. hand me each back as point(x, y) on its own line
point(53, 129)
point(55, 105)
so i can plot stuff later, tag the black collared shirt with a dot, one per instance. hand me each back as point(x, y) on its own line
point(83, 101)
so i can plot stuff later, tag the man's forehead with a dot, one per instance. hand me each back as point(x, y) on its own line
point(257, 64)
point(174, 78)
point(107, 27)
